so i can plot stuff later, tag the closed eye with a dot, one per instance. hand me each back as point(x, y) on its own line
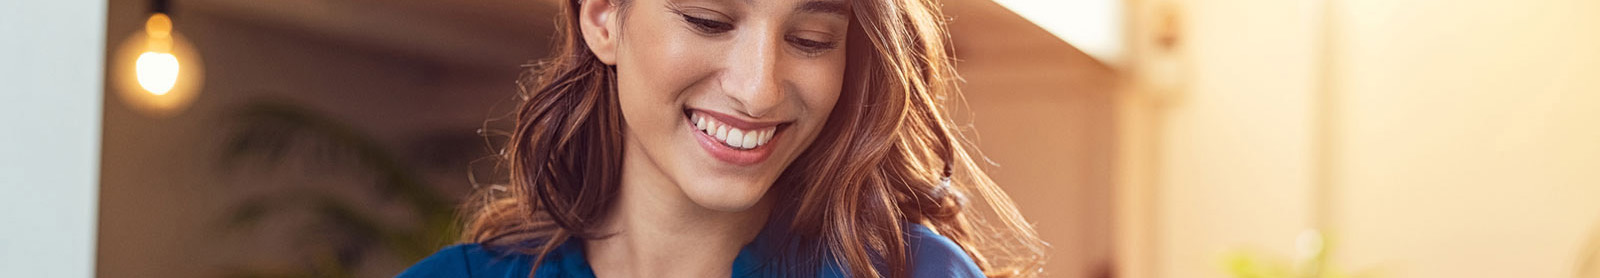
point(811, 47)
point(708, 26)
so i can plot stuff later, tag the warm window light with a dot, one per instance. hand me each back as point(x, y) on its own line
point(1094, 26)
point(157, 68)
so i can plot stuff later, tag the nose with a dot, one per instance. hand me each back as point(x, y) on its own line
point(751, 77)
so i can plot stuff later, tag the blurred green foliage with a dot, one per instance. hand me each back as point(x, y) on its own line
point(339, 235)
point(1310, 262)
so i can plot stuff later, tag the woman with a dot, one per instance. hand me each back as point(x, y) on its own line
point(803, 138)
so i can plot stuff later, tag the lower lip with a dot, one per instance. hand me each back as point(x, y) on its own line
point(732, 155)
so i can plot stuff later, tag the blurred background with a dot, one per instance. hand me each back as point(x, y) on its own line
point(1144, 138)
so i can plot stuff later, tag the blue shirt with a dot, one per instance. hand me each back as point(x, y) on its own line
point(930, 256)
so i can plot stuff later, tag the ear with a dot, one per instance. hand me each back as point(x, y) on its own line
point(597, 19)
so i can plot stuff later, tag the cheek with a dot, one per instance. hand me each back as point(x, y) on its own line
point(820, 84)
point(664, 58)
point(655, 73)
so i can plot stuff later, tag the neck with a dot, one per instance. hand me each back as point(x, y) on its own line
point(657, 231)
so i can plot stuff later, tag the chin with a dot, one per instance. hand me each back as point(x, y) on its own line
point(726, 195)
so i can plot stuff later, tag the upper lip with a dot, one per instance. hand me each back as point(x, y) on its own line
point(736, 121)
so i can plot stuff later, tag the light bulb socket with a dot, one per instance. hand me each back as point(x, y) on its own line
point(160, 6)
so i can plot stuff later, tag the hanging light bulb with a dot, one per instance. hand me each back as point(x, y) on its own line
point(156, 71)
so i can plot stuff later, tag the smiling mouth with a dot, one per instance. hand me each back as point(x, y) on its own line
point(730, 135)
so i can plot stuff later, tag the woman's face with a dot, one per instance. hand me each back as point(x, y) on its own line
point(719, 96)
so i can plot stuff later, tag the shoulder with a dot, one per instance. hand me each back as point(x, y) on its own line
point(935, 256)
point(470, 260)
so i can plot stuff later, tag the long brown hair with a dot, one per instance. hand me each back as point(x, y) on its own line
point(880, 162)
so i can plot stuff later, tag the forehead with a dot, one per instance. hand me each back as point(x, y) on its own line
point(839, 8)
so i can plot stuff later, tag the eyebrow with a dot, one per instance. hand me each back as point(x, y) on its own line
point(834, 7)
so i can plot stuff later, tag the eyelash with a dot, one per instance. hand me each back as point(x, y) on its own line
point(709, 26)
point(811, 47)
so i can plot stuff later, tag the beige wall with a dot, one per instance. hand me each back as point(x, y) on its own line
point(1222, 164)
point(1427, 138)
point(1469, 134)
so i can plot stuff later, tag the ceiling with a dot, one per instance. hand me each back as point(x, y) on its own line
point(474, 33)
point(507, 33)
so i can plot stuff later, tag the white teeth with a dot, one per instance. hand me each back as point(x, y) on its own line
point(736, 138)
point(750, 139)
point(730, 136)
